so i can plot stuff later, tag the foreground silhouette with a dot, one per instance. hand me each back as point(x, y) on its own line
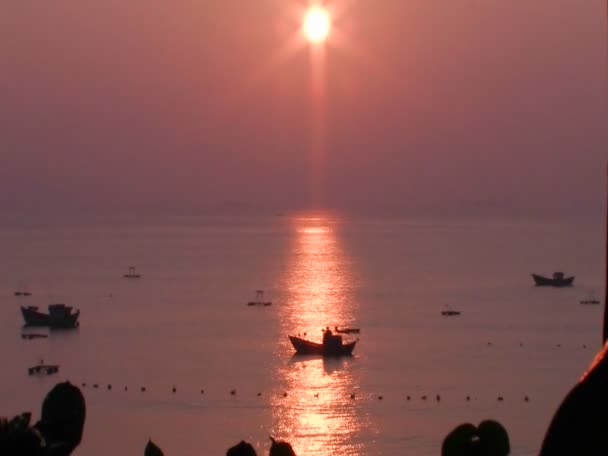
point(58, 432)
point(490, 438)
point(241, 449)
point(152, 449)
point(280, 448)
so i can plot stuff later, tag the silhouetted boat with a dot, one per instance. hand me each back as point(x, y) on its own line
point(259, 299)
point(22, 290)
point(590, 299)
point(558, 280)
point(132, 274)
point(42, 368)
point(331, 346)
point(450, 312)
point(59, 316)
point(347, 330)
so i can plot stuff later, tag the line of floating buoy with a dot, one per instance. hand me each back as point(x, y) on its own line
point(352, 396)
point(521, 344)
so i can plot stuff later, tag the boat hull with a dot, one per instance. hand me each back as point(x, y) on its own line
point(33, 317)
point(306, 347)
point(541, 281)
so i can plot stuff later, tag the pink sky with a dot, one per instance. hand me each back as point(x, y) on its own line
point(174, 106)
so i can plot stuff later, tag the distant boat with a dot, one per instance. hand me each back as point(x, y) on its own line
point(347, 330)
point(59, 316)
point(22, 290)
point(42, 368)
point(590, 299)
point(331, 346)
point(449, 312)
point(259, 299)
point(132, 274)
point(558, 280)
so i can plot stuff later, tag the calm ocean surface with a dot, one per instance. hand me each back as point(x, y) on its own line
point(185, 323)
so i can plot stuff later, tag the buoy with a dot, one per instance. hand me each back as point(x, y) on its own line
point(559, 345)
point(500, 399)
point(408, 398)
point(284, 394)
point(584, 345)
point(109, 386)
point(174, 390)
point(380, 398)
point(438, 398)
point(143, 388)
point(95, 385)
point(126, 388)
point(489, 344)
point(83, 384)
point(527, 399)
point(203, 391)
point(521, 344)
point(259, 394)
point(423, 398)
point(352, 396)
point(233, 392)
point(468, 398)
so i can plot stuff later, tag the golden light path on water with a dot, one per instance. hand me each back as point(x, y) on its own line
point(318, 415)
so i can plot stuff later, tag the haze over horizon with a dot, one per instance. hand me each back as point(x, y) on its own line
point(184, 107)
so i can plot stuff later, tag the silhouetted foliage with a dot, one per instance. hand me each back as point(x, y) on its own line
point(57, 433)
point(580, 425)
point(280, 448)
point(152, 449)
point(241, 449)
point(489, 439)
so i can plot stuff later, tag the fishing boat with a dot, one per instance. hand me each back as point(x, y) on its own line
point(332, 345)
point(557, 280)
point(59, 316)
point(22, 290)
point(132, 274)
point(347, 330)
point(590, 299)
point(42, 368)
point(259, 299)
point(450, 312)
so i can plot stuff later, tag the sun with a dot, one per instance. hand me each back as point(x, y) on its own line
point(317, 25)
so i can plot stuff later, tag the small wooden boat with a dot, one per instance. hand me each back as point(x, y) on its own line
point(347, 330)
point(42, 368)
point(259, 299)
point(558, 280)
point(59, 316)
point(450, 313)
point(132, 274)
point(331, 346)
point(22, 290)
point(590, 299)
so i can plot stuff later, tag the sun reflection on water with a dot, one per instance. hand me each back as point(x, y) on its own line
point(316, 412)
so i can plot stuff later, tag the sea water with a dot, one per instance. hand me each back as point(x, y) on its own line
point(216, 371)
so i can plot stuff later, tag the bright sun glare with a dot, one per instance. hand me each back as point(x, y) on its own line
point(316, 25)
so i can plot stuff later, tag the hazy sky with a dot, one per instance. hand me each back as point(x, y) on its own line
point(186, 106)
